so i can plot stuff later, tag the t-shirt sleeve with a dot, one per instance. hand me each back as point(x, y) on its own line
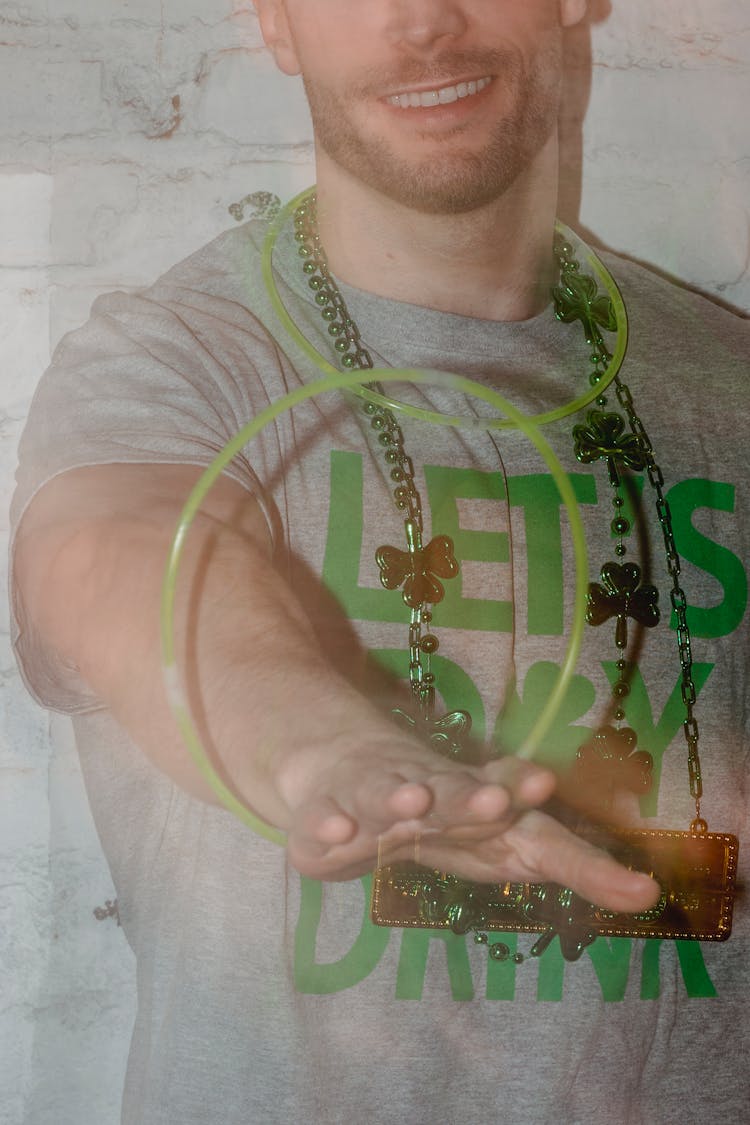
point(168, 376)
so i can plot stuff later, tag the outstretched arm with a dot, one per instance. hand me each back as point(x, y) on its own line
point(292, 737)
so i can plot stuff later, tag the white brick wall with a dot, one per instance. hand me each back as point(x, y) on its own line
point(127, 127)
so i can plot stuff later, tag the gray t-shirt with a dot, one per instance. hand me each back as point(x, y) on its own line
point(266, 997)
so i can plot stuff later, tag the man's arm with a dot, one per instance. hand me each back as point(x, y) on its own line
point(294, 739)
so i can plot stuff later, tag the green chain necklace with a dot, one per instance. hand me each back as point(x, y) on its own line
point(414, 896)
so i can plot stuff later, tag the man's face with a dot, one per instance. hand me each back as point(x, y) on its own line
point(438, 104)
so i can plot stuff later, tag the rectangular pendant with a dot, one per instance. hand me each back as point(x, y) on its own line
point(696, 872)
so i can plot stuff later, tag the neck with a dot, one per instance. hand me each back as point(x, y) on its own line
point(494, 263)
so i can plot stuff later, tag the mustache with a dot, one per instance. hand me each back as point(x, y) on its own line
point(478, 62)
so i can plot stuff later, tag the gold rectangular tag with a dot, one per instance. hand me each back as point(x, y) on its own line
point(696, 871)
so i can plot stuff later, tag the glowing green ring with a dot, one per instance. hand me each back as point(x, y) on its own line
point(422, 415)
point(339, 381)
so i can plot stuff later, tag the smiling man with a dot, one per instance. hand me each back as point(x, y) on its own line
point(436, 144)
point(372, 607)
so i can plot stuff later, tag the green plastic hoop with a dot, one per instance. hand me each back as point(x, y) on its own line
point(458, 420)
point(338, 381)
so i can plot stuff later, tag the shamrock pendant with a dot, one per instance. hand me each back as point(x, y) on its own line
point(621, 595)
point(604, 436)
point(610, 760)
point(419, 568)
point(445, 735)
point(578, 298)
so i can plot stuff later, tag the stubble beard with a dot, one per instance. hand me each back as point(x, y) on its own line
point(458, 179)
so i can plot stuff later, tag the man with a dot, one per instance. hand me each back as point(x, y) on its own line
point(263, 996)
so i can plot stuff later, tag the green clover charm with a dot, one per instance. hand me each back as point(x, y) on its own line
point(603, 436)
point(566, 915)
point(611, 761)
point(621, 595)
point(578, 298)
point(446, 735)
point(419, 568)
point(446, 898)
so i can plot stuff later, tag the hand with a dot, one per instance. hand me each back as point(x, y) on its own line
point(480, 822)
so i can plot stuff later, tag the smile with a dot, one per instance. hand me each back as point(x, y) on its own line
point(423, 99)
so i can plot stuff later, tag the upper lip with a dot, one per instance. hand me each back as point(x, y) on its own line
point(437, 84)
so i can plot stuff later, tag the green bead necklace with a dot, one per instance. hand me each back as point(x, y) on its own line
point(414, 896)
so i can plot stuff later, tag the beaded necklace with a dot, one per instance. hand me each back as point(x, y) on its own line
point(692, 905)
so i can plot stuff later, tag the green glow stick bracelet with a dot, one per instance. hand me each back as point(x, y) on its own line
point(460, 421)
point(334, 381)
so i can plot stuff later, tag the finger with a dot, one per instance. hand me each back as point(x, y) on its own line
point(408, 800)
point(378, 800)
point(328, 840)
point(558, 856)
point(498, 791)
point(456, 799)
point(319, 826)
point(528, 784)
point(489, 803)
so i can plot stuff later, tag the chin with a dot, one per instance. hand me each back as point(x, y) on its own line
point(456, 185)
point(470, 191)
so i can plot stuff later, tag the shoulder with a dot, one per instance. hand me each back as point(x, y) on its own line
point(227, 267)
point(681, 339)
point(651, 298)
point(213, 294)
point(225, 271)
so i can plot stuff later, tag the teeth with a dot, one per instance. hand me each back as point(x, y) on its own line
point(444, 96)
